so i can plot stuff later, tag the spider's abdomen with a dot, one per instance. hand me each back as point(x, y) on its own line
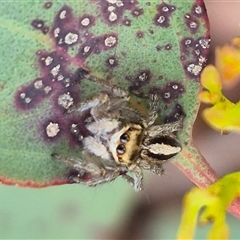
point(162, 147)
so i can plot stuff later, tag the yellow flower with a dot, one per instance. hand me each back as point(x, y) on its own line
point(215, 199)
point(223, 115)
point(228, 62)
point(236, 41)
point(210, 80)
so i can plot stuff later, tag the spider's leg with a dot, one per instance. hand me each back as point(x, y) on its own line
point(88, 173)
point(115, 90)
point(152, 166)
point(166, 128)
point(94, 101)
point(153, 111)
point(102, 103)
point(137, 177)
point(129, 179)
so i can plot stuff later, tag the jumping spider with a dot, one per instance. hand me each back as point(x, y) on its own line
point(122, 140)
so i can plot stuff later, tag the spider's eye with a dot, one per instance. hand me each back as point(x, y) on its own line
point(124, 138)
point(121, 149)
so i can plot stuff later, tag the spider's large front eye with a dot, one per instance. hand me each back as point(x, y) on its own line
point(124, 138)
point(121, 149)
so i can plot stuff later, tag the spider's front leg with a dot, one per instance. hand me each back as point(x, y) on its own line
point(115, 90)
point(153, 166)
point(137, 180)
point(89, 173)
point(164, 129)
point(91, 102)
point(102, 105)
point(153, 110)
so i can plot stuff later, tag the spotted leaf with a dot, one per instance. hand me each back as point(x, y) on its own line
point(143, 46)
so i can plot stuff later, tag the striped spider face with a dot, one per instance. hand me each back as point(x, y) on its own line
point(121, 141)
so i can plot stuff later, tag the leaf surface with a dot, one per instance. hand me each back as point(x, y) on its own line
point(142, 46)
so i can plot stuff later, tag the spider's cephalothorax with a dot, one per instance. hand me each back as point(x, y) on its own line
point(122, 142)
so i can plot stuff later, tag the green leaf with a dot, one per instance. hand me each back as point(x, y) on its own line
point(143, 46)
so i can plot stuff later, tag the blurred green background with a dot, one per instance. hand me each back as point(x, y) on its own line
point(111, 211)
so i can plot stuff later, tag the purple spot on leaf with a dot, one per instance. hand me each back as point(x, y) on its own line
point(168, 47)
point(110, 41)
point(89, 47)
point(47, 5)
point(126, 22)
point(66, 98)
point(141, 79)
point(192, 23)
point(137, 12)
point(151, 31)
point(170, 92)
point(202, 45)
point(29, 96)
point(112, 12)
point(159, 48)
point(175, 114)
point(112, 62)
point(194, 49)
point(65, 30)
point(193, 69)
point(187, 44)
point(52, 129)
point(140, 34)
point(39, 24)
point(162, 18)
point(76, 128)
point(199, 9)
point(86, 21)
